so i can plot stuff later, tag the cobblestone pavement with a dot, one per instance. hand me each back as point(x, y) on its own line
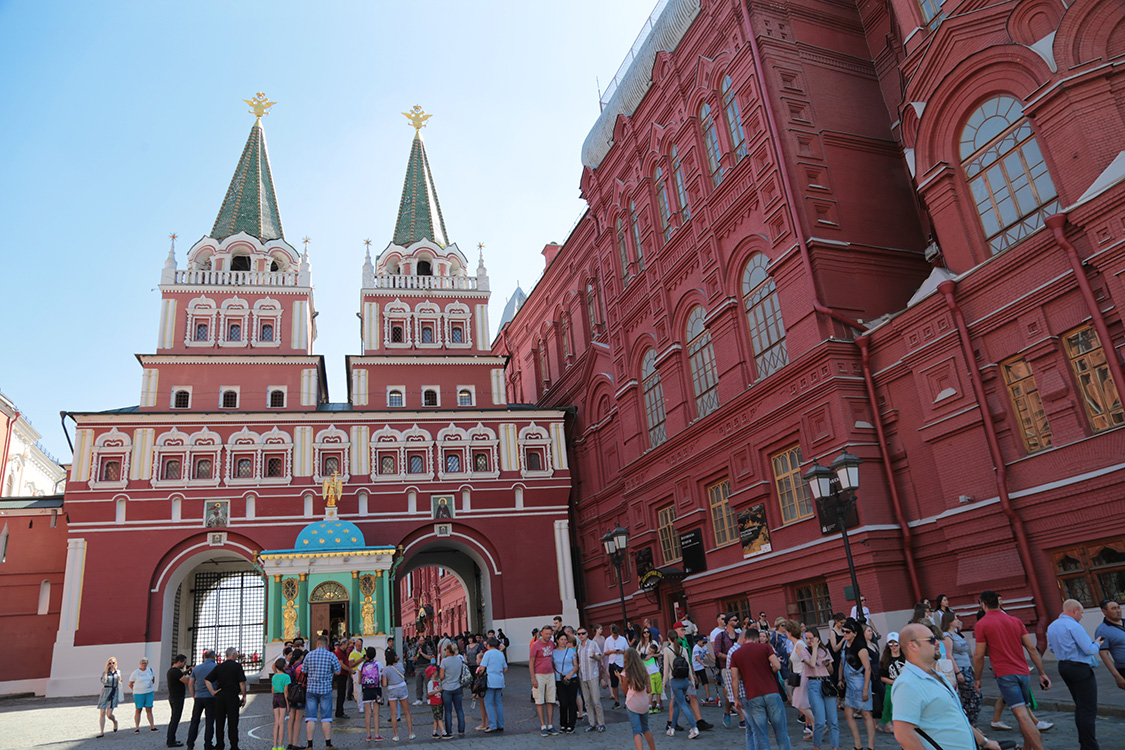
point(71, 723)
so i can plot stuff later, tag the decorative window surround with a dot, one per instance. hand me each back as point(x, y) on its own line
point(397, 313)
point(266, 312)
point(534, 438)
point(453, 441)
point(328, 442)
point(234, 312)
point(470, 391)
point(271, 390)
point(458, 314)
point(389, 442)
point(111, 446)
point(200, 310)
point(428, 315)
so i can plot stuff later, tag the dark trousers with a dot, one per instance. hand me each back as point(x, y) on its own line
point(202, 707)
point(1083, 686)
point(341, 681)
point(226, 712)
point(568, 703)
point(177, 705)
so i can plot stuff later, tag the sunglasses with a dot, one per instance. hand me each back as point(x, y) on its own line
point(581, 632)
point(845, 630)
point(932, 640)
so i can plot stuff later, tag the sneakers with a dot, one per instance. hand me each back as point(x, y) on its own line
point(1001, 726)
point(416, 703)
point(692, 733)
point(742, 725)
point(591, 729)
point(601, 727)
point(670, 732)
point(412, 735)
point(551, 729)
point(543, 732)
point(726, 720)
point(704, 725)
point(1043, 726)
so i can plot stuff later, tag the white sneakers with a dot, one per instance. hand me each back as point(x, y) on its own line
point(1001, 726)
point(670, 732)
point(1043, 726)
point(692, 733)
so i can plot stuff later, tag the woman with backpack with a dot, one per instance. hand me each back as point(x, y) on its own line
point(295, 692)
point(454, 675)
point(371, 690)
point(678, 677)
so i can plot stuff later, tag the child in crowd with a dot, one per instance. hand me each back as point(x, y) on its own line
point(371, 691)
point(279, 681)
point(636, 682)
point(433, 690)
point(656, 682)
point(699, 666)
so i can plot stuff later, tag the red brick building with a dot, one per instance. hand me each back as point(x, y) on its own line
point(433, 600)
point(896, 228)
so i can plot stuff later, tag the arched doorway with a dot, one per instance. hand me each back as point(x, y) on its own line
point(444, 585)
point(328, 609)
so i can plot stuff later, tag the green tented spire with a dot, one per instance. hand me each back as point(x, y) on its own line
point(250, 205)
point(419, 213)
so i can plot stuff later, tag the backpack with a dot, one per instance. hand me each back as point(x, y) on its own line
point(680, 666)
point(466, 679)
point(369, 674)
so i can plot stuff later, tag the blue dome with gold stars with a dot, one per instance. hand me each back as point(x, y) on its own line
point(330, 534)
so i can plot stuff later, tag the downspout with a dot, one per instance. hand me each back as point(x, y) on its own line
point(1023, 546)
point(1057, 222)
point(896, 501)
point(8, 442)
point(787, 185)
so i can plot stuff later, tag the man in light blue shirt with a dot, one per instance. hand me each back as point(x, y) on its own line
point(924, 702)
point(1076, 651)
point(1112, 632)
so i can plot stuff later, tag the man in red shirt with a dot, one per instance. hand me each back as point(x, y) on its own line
point(756, 665)
point(343, 679)
point(541, 664)
point(1004, 640)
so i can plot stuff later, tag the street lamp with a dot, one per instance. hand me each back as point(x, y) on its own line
point(839, 483)
point(615, 543)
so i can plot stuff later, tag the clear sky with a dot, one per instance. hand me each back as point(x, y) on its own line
point(122, 122)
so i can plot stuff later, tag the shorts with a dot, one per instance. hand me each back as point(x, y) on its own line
point(315, 703)
point(399, 692)
point(142, 700)
point(544, 689)
point(1015, 689)
point(614, 670)
point(656, 683)
point(701, 676)
point(279, 700)
point(372, 694)
point(438, 711)
point(639, 722)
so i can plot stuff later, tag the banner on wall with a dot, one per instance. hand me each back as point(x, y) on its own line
point(753, 531)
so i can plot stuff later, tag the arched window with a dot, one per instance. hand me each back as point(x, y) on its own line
point(763, 316)
point(654, 399)
point(681, 190)
point(244, 469)
point(457, 335)
point(452, 463)
point(480, 461)
point(387, 465)
point(711, 144)
point(200, 331)
point(638, 246)
point(277, 399)
point(171, 469)
point(534, 461)
point(622, 253)
point(662, 202)
point(274, 467)
point(1007, 175)
point(429, 397)
point(202, 469)
point(464, 397)
point(394, 398)
point(111, 471)
point(427, 334)
point(240, 263)
point(701, 357)
point(230, 399)
point(396, 334)
point(734, 120)
point(267, 332)
point(424, 268)
point(416, 464)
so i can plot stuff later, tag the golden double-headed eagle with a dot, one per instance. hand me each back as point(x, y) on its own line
point(417, 117)
point(259, 105)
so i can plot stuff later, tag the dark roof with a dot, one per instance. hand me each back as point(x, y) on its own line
point(419, 213)
point(30, 503)
point(250, 205)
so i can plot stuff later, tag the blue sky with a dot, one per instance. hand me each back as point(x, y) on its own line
point(121, 122)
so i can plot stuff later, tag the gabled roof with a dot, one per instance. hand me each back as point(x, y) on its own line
point(250, 205)
point(515, 302)
point(419, 213)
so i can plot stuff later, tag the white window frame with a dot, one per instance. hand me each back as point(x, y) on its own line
point(234, 310)
point(110, 446)
point(266, 311)
point(536, 438)
point(472, 389)
point(437, 391)
point(284, 396)
point(331, 440)
point(223, 390)
point(402, 391)
point(200, 310)
point(172, 397)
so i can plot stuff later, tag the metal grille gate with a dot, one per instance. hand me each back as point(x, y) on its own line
point(230, 611)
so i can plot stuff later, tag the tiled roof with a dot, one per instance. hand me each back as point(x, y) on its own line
point(250, 205)
point(419, 209)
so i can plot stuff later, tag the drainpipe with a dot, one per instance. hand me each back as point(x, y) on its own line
point(1057, 222)
point(864, 343)
point(787, 185)
point(8, 443)
point(1022, 545)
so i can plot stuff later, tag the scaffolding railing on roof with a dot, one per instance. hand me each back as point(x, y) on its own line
point(632, 54)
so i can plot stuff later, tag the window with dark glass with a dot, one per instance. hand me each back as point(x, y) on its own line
point(234, 332)
point(394, 398)
point(711, 144)
point(277, 398)
point(244, 468)
point(480, 461)
point(111, 471)
point(681, 189)
point(387, 465)
point(330, 466)
point(275, 467)
point(427, 334)
point(429, 397)
point(622, 252)
point(763, 316)
point(654, 399)
point(181, 400)
point(734, 120)
point(662, 208)
point(814, 606)
point(171, 469)
point(202, 469)
point(230, 399)
point(534, 461)
point(638, 245)
point(457, 335)
point(452, 463)
point(701, 358)
point(267, 332)
point(416, 464)
point(200, 331)
point(1092, 572)
point(464, 398)
point(396, 334)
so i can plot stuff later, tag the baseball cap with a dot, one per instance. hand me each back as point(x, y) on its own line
point(892, 637)
point(678, 625)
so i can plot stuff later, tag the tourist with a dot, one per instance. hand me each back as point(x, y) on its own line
point(678, 677)
point(754, 689)
point(397, 694)
point(890, 667)
point(357, 657)
point(203, 703)
point(866, 611)
point(295, 694)
point(1075, 651)
point(763, 623)
point(227, 682)
point(821, 690)
point(723, 644)
point(320, 666)
point(494, 665)
point(635, 683)
point(1112, 633)
point(644, 641)
point(564, 660)
point(656, 681)
point(433, 695)
point(699, 659)
point(343, 680)
point(591, 676)
point(541, 666)
point(957, 648)
point(177, 687)
point(798, 697)
point(279, 684)
point(423, 657)
point(855, 676)
point(614, 652)
point(450, 671)
point(370, 691)
point(924, 701)
point(1003, 639)
point(143, 684)
point(941, 609)
point(110, 695)
point(836, 640)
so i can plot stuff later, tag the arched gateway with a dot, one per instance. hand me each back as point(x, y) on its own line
point(196, 519)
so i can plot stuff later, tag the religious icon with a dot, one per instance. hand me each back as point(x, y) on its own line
point(753, 531)
point(443, 529)
point(367, 611)
point(443, 506)
point(217, 539)
point(217, 514)
point(289, 616)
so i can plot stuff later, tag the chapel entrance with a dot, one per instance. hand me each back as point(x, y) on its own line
point(328, 609)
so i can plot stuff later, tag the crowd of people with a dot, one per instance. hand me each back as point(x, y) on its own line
point(922, 684)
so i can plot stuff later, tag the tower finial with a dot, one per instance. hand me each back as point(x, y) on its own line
point(259, 105)
point(417, 117)
point(306, 241)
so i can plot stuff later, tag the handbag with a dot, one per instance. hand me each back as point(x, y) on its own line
point(793, 680)
point(466, 676)
point(828, 688)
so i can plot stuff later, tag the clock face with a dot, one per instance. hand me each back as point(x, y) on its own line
point(289, 588)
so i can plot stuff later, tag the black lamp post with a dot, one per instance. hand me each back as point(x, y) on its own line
point(839, 483)
point(615, 543)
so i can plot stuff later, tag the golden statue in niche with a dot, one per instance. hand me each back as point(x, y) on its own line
point(332, 489)
point(289, 617)
point(367, 613)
